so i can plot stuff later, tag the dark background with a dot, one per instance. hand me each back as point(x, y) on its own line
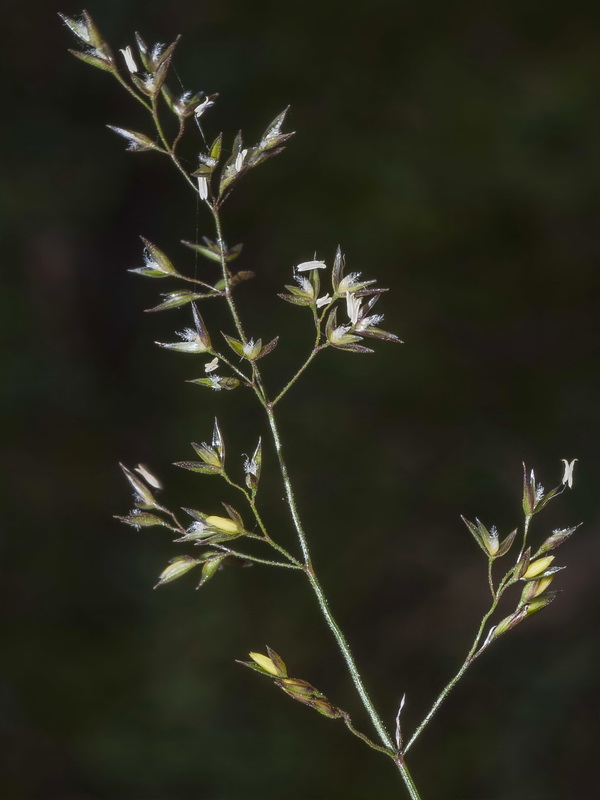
point(452, 149)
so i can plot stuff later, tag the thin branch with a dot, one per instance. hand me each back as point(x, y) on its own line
point(169, 147)
point(255, 558)
point(491, 578)
point(131, 91)
point(365, 739)
point(293, 380)
point(449, 686)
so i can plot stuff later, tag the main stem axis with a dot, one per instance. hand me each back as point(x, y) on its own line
point(337, 632)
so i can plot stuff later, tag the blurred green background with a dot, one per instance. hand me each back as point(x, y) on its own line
point(452, 149)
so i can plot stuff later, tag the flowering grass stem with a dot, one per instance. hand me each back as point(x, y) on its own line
point(348, 335)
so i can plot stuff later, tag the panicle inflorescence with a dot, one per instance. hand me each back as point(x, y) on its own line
point(342, 319)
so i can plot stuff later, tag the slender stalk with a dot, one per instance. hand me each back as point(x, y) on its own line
point(490, 577)
point(213, 293)
point(245, 380)
point(348, 658)
point(272, 543)
point(131, 91)
point(525, 532)
point(180, 133)
point(288, 488)
point(169, 148)
point(365, 739)
point(332, 624)
point(471, 656)
point(293, 380)
point(316, 348)
point(226, 277)
point(255, 558)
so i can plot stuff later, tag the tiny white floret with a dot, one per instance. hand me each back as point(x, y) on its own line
point(203, 188)
point(239, 159)
point(129, 59)
point(204, 105)
point(306, 266)
point(211, 366)
point(322, 301)
point(568, 473)
point(352, 307)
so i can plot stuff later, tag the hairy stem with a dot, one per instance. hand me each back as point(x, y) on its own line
point(525, 532)
point(318, 590)
point(244, 378)
point(293, 380)
point(257, 560)
point(131, 91)
point(407, 778)
point(169, 147)
point(491, 578)
point(365, 739)
point(316, 348)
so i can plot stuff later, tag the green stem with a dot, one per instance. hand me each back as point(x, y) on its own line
point(491, 578)
point(131, 91)
point(349, 659)
point(180, 133)
point(321, 598)
point(266, 539)
point(226, 277)
point(316, 348)
point(407, 778)
point(169, 148)
point(213, 293)
point(232, 367)
point(525, 532)
point(290, 383)
point(255, 558)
